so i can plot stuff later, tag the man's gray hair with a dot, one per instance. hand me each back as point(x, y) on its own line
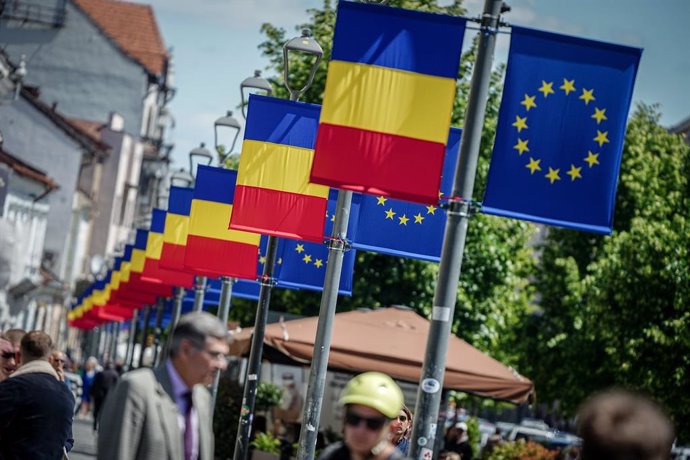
point(197, 327)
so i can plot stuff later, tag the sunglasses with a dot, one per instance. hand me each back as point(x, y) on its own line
point(9, 354)
point(372, 423)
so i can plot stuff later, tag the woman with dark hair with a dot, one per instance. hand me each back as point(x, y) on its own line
point(401, 429)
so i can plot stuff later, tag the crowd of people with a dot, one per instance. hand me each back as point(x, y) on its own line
point(165, 412)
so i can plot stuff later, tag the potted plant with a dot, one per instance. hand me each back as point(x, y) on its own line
point(266, 447)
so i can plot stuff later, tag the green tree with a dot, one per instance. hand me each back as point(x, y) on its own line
point(615, 310)
point(493, 290)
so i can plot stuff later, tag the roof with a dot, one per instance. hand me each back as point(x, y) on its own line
point(132, 27)
point(681, 128)
point(26, 170)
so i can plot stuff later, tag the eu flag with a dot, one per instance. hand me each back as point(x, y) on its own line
point(401, 228)
point(560, 130)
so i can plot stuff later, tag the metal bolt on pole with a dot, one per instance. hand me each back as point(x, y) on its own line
point(223, 312)
point(199, 293)
point(433, 370)
point(324, 330)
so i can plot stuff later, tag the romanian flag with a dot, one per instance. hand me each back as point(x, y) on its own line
point(130, 289)
point(388, 101)
point(273, 194)
point(176, 228)
point(136, 276)
point(154, 248)
point(212, 250)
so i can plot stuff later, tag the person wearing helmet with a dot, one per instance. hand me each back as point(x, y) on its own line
point(372, 400)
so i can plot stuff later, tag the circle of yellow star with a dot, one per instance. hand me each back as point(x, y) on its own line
point(568, 86)
point(430, 209)
point(574, 173)
point(592, 159)
point(587, 95)
point(546, 88)
point(390, 213)
point(299, 248)
point(262, 260)
point(306, 258)
point(521, 146)
point(381, 200)
point(599, 115)
point(602, 138)
point(520, 123)
point(418, 218)
point(533, 165)
point(528, 102)
point(403, 219)
point(318, 263)
point(553, 175)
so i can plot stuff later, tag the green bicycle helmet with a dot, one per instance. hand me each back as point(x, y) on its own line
point(375, 390)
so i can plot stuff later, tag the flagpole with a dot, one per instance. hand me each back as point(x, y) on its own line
point(459, 209)
point(144, 334)
point(308, 46)
point(157, 330)
point(129, 357)
point(223, 312)
point(324, 330)
point(199, 292)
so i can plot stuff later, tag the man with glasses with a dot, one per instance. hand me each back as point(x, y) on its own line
point(8, 358)
point(372, 400)
point(165, 413)
point(57, 360)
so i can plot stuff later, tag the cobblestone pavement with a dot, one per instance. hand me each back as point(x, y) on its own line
point(84, 439)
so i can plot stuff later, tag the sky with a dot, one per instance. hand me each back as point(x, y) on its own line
point(215, 46)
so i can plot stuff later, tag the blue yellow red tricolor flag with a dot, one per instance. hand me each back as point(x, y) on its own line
point(154, 248)
point(273, 194)
point(560, 131)
point(212, 249)
point(406, 229)
point(388, 101)
point(176, 228)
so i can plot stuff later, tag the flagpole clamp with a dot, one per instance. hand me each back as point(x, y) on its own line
point(458, 206)
point(337, 244)
point(267, 281)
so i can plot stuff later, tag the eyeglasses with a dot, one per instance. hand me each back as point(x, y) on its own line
point(61, 361)
point(9, 354)
point(372, 423)
point(402, 418)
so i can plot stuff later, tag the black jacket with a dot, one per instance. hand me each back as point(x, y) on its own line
point(35, 417)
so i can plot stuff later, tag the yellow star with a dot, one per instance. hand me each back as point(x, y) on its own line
point(306, 258)
point(546, 88)
point(599, 115)
point(521, 146)
point(390, 214)
point(262, 260)
point(528, 102)
point(574, 173)
point(587, 95)
point(568, 86)
point(418, 218)
point(333, 218)
point(403, 220)
point(601, 137)
point(430, 210)
point(553, 175)
point(440, 194)
point(592, 159)
point(280, 260)
point(533, 165)
point(299, 248)
point(318, 263)
point(381, 200)
point(520, 123)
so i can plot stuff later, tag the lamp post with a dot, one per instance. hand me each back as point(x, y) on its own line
point(308, 47)
point(227, 123)
point(257, 84)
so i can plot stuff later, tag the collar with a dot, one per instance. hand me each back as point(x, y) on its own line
point(178, 386)
point(37, 366)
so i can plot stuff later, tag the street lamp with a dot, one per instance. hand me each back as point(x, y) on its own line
point(199, 156)
point(181, 178)
point(305, 45)
point(229, 123)
point(256, 83)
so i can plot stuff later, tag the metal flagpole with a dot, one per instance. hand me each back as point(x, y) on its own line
point(129, 356)
point(459, 209)
point(307, 46)
point(157, 330)
point(144, 335)
point(113, 344)
point(223, 312)
point(199, 292)
point(322, 345)
point(176, 313)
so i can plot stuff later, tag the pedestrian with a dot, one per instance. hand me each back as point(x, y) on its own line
point(372, 400)
point(457, 441)
point(35, 407)
point(8, 358)
point(401, 429)
point(57, 360)
point(621, 425)
point(165, 413)
point(87, 377)
point(104, 381)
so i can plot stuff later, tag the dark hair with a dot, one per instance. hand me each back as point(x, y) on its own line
point(196, 327)
point(36, 345)
point(619, 424)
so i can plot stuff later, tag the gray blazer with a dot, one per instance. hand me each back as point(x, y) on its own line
point(139, 419)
